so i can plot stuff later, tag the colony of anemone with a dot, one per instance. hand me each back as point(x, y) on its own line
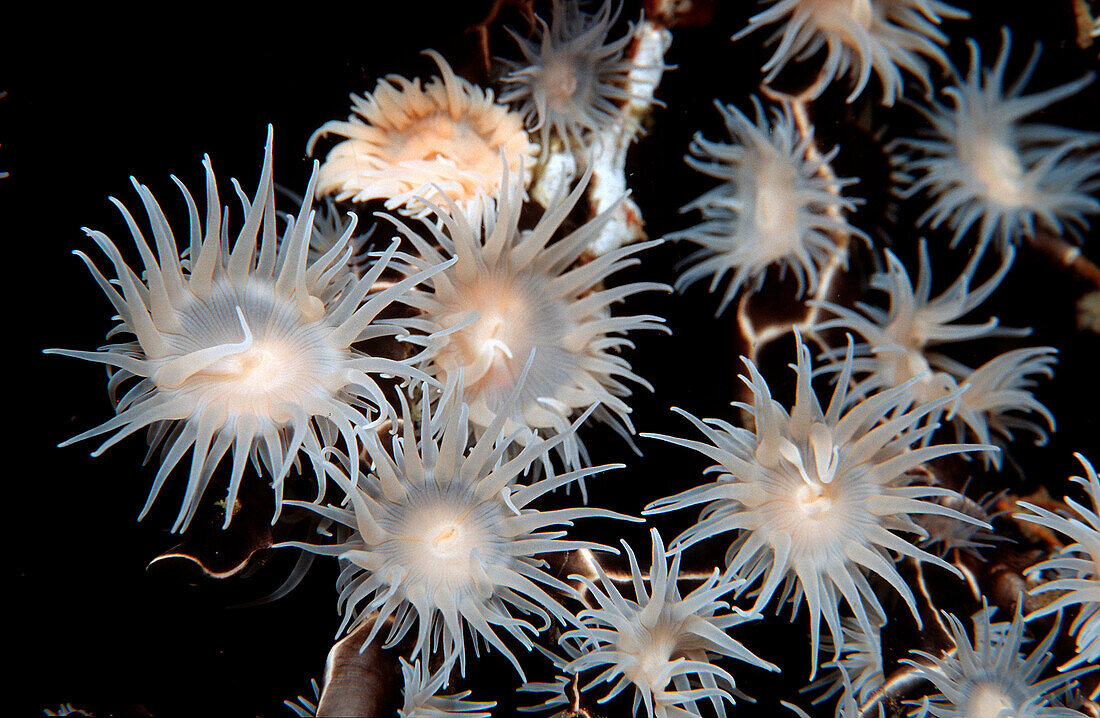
point(416, 394)
point(773, 207)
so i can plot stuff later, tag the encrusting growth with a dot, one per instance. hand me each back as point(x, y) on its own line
point(248, 348)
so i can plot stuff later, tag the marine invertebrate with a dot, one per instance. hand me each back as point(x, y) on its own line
point(249, 348)
point(990, 676)
point(420, 699)
point(511, 297)
point(901, 346)
point(816, 495)
point(770, 208)
point(661, 642)
point(860, 37)
point(406, 143)
point(1077, 569)
point(571, 76)
point(857, 671)
point(441, 536)
point(982, 165)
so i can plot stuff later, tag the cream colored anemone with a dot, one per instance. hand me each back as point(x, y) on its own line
point(406, 143)
point(248, 349)
point(514, 296)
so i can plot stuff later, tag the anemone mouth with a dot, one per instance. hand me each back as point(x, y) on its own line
point(246, 352)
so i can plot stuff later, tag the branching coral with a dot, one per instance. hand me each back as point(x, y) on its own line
point(861, 37)
point(570, 80)
point(249, 348)
point(407, 143)
point(443, 537)
point(660, 642)
point(1077, 569)
point(816, 495)
point(983, 165)
point(514, 296)
point(771, 208)
point(990, 676)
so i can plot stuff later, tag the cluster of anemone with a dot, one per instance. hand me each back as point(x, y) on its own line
point(983, 165)
point(571, 77)
point(409, 144)
point(991, 675)
point(860, 37)
point(900, 346)
point(661, 643)
point(515, 296)
point(247, 349)
point(1076, 570)
point(816, 497)
point(773, 208)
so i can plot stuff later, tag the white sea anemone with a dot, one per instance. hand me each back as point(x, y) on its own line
point(249, 349)
point(1078, 567)
point(660, 642)
point(816, 496)
point(512, 295)
point(772, 207)
point(441, 536)
point(990, 677)
point(982, 164)
point(949, 535)
point(861, 37)
point(571, 76)
point(407, 143)
point(901, 345)
point(421, 687)
point(858, 670)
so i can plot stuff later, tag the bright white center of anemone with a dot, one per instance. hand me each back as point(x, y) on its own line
point(836, 17)
point(560, 84)
point(989, 700)
point(812, 501)
point(997, 167)
point(775, 210)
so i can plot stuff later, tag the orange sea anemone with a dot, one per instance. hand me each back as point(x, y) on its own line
point(405, 143)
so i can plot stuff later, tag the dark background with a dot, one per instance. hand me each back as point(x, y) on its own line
point(95, 97)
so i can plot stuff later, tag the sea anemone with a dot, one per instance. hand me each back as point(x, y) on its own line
point(407, 143)
point(421, 701)
point(858, 670)
point(898, 349)
point(771, 208)
point(981, 164)
point(570, 79)
point(991, 677)
point(1078, 567)
point(440, 535)
point(861, 37)
point(660, 640)
point(249, 349)
point(816, 496)
point(513, 296)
